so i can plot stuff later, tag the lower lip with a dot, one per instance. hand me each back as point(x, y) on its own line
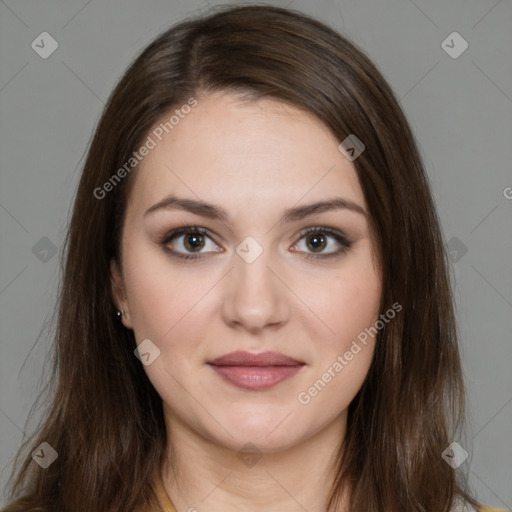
point(256, 377)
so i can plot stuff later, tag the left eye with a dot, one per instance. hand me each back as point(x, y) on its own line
point(317, 239)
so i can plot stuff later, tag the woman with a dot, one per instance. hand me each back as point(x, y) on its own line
point(255, 310)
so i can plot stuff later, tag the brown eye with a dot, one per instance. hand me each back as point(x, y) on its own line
point(193, 241)
point(316, 242)
point(317, 239)
point(187, 242)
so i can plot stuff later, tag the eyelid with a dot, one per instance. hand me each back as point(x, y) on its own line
point(173, 233)
point(334, 232)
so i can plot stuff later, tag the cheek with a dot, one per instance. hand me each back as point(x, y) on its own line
point(346, 356)
point(343, 357)
point(346, 303)
point(160, 295)
point(165, 306)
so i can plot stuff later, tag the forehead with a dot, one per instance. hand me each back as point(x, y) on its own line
point(244, 154)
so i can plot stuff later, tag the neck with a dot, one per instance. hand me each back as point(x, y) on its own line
point(199, 474)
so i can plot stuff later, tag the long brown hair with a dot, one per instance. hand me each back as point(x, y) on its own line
point(105, 418)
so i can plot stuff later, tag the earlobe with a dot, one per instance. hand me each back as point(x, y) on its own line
point(119, 294)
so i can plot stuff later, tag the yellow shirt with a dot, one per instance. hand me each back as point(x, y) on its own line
point(163, 497)
point(167, 506)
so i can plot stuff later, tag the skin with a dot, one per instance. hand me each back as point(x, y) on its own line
point(253, 159)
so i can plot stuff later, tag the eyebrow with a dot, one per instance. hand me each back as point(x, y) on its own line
point(214, 212)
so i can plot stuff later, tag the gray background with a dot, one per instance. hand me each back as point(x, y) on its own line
point(459, 108)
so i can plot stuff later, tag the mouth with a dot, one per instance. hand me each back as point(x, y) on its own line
point(255, 371)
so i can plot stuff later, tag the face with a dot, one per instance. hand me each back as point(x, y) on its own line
point(286, 287)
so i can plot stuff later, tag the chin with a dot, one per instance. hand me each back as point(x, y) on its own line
point(258, 442)
point(270, 428)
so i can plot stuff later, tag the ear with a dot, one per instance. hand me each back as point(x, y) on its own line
point(119, 294)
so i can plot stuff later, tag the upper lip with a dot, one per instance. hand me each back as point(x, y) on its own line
point(241, 358)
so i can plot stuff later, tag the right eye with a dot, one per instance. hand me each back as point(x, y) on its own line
point(191, 238)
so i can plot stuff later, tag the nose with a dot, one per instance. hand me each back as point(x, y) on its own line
point(256, 296)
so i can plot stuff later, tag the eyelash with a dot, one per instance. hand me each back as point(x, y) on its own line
point(186, 230)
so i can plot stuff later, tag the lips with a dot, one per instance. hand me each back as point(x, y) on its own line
point(255, 371)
